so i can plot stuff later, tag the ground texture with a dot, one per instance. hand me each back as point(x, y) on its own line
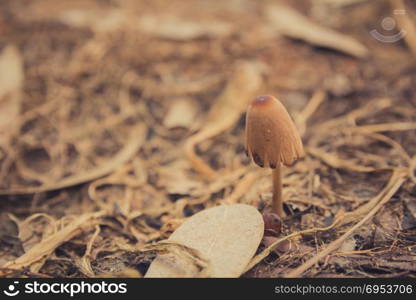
point(120, 119)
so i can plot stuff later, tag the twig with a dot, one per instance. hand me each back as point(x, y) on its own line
point(291, 23)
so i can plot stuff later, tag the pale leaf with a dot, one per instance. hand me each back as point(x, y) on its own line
point(175, 28)
point(182, 113)
point(289, 22)
point(176, 180)
point(11, 80)
point(226, 236)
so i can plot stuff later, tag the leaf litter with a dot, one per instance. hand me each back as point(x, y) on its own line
point(98, 169)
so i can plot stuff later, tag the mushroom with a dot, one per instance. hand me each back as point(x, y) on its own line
point(271, 140)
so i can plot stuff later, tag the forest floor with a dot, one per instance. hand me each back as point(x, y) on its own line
point(120, 119)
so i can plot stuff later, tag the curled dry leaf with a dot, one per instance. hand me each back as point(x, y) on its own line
point(289, 22)
point(175, 180)
point(32, 229)
point(339, 3)
point(11, 80)
point(76, 14)
point(226, 236)
point(163, 26)
point(181, 114)
point(348, 245)
point(173, 27)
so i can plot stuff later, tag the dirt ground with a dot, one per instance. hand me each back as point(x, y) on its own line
point(121, 118)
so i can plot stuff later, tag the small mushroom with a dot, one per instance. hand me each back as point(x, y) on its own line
point(271, 140)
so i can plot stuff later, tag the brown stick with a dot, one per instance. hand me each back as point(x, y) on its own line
point(277, 201)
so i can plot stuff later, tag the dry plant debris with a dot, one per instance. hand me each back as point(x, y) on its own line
point(120, 120)
point(288, 21)
point(227, 236)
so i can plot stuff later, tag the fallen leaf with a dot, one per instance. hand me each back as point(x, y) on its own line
point(289, 22)
point(181, 114)
point(339, 3)
point(162, 26)
point(348, 245)
point(11, 80)
point(173, 27)
point(175, 179)
point(97, 20)
point(226, 236)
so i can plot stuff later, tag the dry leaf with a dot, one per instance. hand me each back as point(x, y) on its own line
point(348, 245)
point(49, 244)
point(181, 114)
point(175, 179)
point(227, 236)
point(163, 26)
point(97, 20)
point(339, 3)
point(11, 80)
point(173, 27)
point(289, 22)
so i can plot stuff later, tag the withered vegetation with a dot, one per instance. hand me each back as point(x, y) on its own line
point(120, 119)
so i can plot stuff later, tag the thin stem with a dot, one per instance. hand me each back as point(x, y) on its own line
point(277, 200)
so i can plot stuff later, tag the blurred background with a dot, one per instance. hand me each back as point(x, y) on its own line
point(130, 114)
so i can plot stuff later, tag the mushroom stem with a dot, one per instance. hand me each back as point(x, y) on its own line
point(277, 200)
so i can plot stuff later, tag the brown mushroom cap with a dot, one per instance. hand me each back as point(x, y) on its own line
point(271, 135)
